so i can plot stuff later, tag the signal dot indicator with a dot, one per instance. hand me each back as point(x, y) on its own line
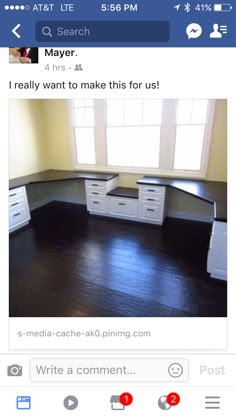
point(6, 7)
point(22, 7)
point(12, 7)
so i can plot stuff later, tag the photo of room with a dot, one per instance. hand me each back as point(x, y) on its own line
point(118, 208)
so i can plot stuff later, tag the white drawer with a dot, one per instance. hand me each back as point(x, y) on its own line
point(14, 193)
point(97, 204)
point(19, 201)
point(96, 191)
point(18, 216)
point(153, 199)
point(95, 184)
point(152, 213)
point(123, 206)
point(149, 189)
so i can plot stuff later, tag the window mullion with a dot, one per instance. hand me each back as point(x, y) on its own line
point(167, 142)
point(100, 132)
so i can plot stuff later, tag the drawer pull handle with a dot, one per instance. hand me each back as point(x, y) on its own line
point(95, 202)
point(150, 199)
point(151, 190)
point(15, 203)
point(95, 184)
point(12, 194)
point(95, 193)
point(149, 209)
point(121, 203)
point(18, 213)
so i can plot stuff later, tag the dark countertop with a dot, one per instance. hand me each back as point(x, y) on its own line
point(124, 192)
point(57, 176)
point(213, 192)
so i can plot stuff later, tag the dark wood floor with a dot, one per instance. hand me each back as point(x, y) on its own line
point(70, 264)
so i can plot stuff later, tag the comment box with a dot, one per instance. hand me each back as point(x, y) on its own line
point(167, 370)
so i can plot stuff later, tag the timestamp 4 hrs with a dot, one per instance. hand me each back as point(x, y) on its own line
point(56, 67)
point(118, 7)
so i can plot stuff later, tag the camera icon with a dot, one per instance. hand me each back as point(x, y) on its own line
point(14, 370)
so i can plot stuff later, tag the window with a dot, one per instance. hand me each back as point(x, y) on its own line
point(162, 137)
point(84, 131)
point(133, 126)
point(191, 122)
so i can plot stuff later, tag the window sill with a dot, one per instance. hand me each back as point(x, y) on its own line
point(141, 171)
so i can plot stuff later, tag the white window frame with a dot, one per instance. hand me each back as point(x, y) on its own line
point(167, 143)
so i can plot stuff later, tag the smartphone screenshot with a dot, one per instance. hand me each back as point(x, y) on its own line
point(117, 263)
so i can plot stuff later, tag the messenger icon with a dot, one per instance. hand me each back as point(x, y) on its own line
point(193, 30)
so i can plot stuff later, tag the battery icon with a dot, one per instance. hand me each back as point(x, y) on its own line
point(226, 7)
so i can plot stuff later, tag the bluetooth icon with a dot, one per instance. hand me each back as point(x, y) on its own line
point(187, 7)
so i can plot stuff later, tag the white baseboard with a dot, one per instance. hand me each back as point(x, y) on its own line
point(185, 215)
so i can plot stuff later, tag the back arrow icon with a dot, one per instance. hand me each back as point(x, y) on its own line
point(15, 29)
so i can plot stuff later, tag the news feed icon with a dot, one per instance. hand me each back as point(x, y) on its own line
point(23, 402)
point(23, 55)
point(14, 370)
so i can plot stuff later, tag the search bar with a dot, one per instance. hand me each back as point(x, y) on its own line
point(102, 31)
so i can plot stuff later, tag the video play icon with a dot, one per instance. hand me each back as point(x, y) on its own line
point(70, 402)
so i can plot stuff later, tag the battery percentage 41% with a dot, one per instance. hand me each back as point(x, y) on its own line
point(203, 7)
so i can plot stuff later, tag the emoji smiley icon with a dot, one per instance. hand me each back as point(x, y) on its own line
point(175, 370)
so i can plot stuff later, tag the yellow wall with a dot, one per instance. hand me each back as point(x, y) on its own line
point(58, 130)
point(27, 145)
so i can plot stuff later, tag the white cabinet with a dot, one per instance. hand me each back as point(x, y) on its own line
point(151, 213)
point(96, 195)
point(150, 190)
point(217, 253)
point(97, 204)
point(19, 214)
point(123, 207)
point(148, 205)
point(152, 204)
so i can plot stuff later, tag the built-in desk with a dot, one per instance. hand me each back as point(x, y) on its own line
point(213, 192)
point(209, 191)
point(19, 214)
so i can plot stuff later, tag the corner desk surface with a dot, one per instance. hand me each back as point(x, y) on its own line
point(57, 176)
point(210, 191)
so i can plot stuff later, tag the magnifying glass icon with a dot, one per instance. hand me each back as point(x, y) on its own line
point(47, 31)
